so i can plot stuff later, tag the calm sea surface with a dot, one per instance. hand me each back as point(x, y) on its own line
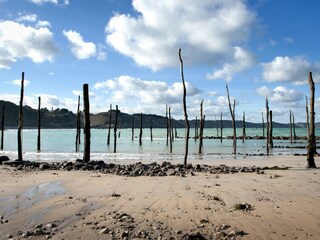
point(59, 145)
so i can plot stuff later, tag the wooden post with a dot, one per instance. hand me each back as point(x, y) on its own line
point(2, 126)
point(132, 129)
point(175, 129)
point(172, 138)
point(151, 137)
point(167, 119)
point(267, 125)
point(78, 137)
point(290, 127)
point(243, 126)
point(196, 129)
point(263, 136)
point(39, 125)
point(170, 132)
point(307, 113)
point(187, 126)
point(232, 113)
point(140, 135)
point(312, 138)
point(86, 131)
point(20, 120)
point(201, 128)
point(115, 131)
point(217, 127)
point(109, 127)
point(294, 127)
point(221, 127)
point(271, 130)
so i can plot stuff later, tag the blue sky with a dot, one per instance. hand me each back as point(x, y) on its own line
point(127, 51)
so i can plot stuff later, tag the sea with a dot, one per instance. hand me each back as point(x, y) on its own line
point(59, 145)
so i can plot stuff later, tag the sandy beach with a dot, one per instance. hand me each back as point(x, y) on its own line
point(278, 204)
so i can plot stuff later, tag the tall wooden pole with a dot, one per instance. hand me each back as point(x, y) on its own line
point(140, 135)
point(86, 131)
point(290, 127)
point(262, 125)
point(232, 113)
point(217, 127)
point(109, 126)
point(78, 132)
point(167, 119)
point(201, 128)
point(187, 126)
point(132, 129)
point(170, 132)
point(39, 125)
point(151, 135)
point(267, 125)
point(243, 126)
point(115, 131)
point(20, 120)
point(271, 131)
point(221, 127)
point(294, 127)
point(2, 126)
point(312, 138)
point(307, 113)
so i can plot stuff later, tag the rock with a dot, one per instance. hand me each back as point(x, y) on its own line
point(104, 231)
point(171, 172)
point(196, 236)
point(124, 234)
point(3, 159)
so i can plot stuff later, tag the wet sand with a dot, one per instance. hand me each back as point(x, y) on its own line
point(280, 204)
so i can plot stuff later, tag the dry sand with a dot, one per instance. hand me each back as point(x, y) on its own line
point(79, 205)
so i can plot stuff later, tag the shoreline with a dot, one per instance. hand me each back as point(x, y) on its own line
point(275, 204)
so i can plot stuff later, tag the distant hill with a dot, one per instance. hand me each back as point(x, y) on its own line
point(63, 118)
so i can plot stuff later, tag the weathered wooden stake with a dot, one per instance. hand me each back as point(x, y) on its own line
point(109, 126)
point(86, 130)
point(244, 127)
point(221, 127)
point(271, 130)
point(39, 125)
point(267, 125)
point(232, 113)
point(115, 131)
point(294, 127)
point(201, 128)
point(2, 126)
point(167, 119)
point(187, 126)
point(140, 135)
point(20, 120)
point(312, 138)
point(132, 129)
point(78, 141)
point(262, 125)
point(217, 127)
point(290, 127)
point(151, 136)
point(170, 132)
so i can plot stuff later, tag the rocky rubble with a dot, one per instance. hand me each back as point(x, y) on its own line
point(133, 170)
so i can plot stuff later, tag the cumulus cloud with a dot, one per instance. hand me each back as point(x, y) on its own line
point(79, 48)
point(287, 69)
point(144, 94)
point(43, 24)
point(207, 31)
point(242, 60)
point(28, 18)
point(32, 43)
point(280, 94)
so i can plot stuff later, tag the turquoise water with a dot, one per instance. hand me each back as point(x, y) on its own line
point(59, 144)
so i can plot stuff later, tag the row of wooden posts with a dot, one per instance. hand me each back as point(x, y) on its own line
point(87, 134)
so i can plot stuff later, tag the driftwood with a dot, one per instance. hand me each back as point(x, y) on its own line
point(187, 126)
point(39, 125)
point(115, 131)
point(20, 120)
point(2, 126)
point(109, 126)
point(86, 130)
point(232, 113)
point(312, 139)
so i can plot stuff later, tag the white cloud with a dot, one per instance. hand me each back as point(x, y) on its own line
point(242, 60)
point(18, 82)
point(32, 43)
point(207, 31)
point(76, 92)
point(137, 95)
point(28, 18)
point(280, 94)
point(79, 48)
point(287, 69)
point(56, 2)
point(43, 24)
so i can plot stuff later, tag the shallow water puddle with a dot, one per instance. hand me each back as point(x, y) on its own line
point(11, 204)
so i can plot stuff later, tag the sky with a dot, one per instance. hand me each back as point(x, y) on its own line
point(127, 51)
